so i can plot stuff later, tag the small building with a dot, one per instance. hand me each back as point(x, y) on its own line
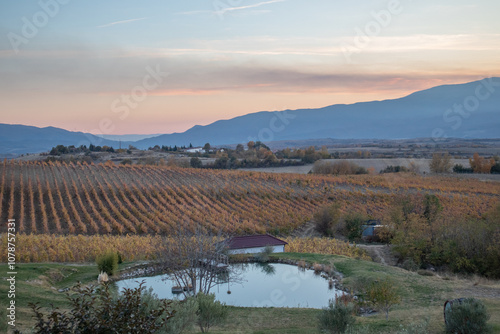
point(252, 244)
point(194, 150)
point(369, 230)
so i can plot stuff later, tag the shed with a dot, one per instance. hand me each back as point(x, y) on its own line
point(255, 244)
point(369, 230)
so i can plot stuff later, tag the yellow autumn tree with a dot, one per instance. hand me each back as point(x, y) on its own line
point(480, 164)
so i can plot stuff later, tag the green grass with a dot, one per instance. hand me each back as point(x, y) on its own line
point(422, 296)
point(39, 283)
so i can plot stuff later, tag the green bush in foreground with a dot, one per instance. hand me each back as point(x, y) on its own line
point(470, 317)
point(336, 318)
point(95, 311)
point(185, 316)
point(210, 311)
point(107, 263)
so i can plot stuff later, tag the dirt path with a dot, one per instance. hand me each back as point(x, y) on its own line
point(306, 231)
point(380, 253)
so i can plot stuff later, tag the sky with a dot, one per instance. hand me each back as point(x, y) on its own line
point(163, 66)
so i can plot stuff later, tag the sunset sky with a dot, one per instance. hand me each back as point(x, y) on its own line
point(161, 66)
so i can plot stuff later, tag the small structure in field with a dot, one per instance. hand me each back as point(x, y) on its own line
point(194, 150)
point(369, 230)
point(252, 244)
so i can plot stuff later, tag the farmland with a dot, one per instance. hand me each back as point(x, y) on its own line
point(72, 212)
point(93, 199)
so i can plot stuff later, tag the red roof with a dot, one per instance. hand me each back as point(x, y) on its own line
point(251, 241)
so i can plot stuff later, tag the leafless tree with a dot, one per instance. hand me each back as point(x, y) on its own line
point(195, 260)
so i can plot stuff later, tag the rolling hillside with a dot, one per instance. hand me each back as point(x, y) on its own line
point(108, 199)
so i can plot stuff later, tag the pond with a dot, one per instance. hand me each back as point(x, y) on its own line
point(258, 285)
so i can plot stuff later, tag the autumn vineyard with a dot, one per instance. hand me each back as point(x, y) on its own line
point(80, 199)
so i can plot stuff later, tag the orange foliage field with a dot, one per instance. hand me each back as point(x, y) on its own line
point(82, 248)
point(88, 199)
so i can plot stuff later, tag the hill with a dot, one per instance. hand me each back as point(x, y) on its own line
point(21, 139)
point(95, 199)
point(470, 110)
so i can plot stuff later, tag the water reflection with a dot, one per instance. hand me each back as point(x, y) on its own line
point(261, 285)
point(267, 268)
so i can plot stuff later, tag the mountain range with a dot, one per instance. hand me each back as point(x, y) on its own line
point(470, 110)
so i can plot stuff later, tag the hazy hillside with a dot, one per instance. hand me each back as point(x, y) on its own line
point(419, 115)
point(423, 114)
point(21, 139)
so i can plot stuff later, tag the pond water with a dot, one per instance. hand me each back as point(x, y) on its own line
point(257, 285)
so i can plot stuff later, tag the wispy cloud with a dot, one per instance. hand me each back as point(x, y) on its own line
point(121, 22)
point(232, 9)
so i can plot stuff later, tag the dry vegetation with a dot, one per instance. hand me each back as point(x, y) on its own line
point(108, 199)
point(81, 248)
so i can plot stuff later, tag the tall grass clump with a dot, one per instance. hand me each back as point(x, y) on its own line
point(107, 262)
point(337, 317)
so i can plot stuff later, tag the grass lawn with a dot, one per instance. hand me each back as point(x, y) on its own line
point(422, 296)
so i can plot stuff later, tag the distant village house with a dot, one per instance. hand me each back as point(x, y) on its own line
point(195, 150)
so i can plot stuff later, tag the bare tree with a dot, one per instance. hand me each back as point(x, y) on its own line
point(195, 260)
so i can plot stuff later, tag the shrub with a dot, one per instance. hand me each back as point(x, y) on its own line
point(94, 310)
point(326, 219)
point(264, 255)
point(195, 163)
point(462, 170)
point(394, 169)
point(342, 167)
point(383, 296)
point(185, 316)
point(107, 263)
point(440, 163)
point(410, 265)
point(469, 317)
point(354, 226)
point(317, 267)
point(336, 318)
point(210, 312)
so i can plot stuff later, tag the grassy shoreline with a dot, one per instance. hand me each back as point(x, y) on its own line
point(422, 296)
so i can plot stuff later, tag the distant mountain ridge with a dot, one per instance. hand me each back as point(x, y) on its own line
point(470, 110)
point(19, 139)
point(428, 113)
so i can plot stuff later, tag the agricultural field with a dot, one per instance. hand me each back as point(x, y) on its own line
point(91, 199)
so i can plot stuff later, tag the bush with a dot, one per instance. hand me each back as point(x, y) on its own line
point(469, 317)
point(383, 296)
point(326, 219)
point(336, 318)
point(341, 167)
point(354, 226)
point(107, 263)
point(394, 169)
point(210, 312)
point(462, 170)
point(264, 255)
point(185, 316)
point(94, 310)
point(410, 265)
point(195, 162)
